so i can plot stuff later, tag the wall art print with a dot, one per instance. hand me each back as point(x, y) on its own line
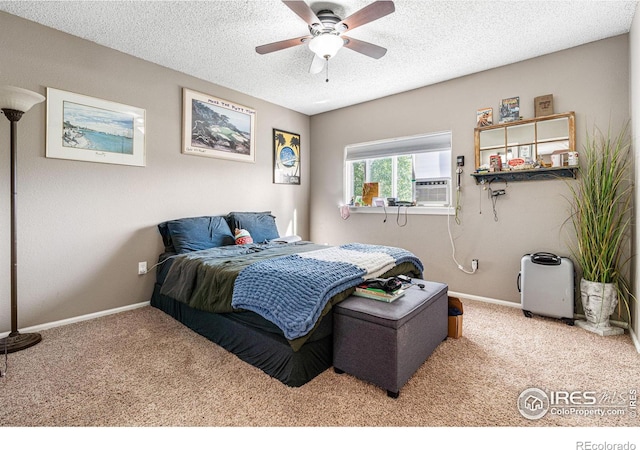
point(286, 157)
point(85, 128)
point(217, 128)
point(509, 109)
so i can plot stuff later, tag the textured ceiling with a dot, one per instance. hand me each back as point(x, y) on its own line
point(427, 41)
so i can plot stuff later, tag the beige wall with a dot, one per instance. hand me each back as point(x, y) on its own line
point(592, 80)
point(83, 227)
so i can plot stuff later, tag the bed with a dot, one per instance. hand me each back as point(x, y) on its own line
point(268, 300)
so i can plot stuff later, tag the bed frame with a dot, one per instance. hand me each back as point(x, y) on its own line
point(255, 339)
point(268, 351)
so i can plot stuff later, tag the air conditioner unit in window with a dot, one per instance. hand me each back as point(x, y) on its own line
point(431, 191)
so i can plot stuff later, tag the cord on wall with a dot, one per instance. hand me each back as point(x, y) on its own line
point(458, 191)
point(157, 264)
point(493, 195)
point(457, 218)
point(406, 217)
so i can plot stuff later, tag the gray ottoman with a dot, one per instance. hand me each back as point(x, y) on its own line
point(385, 343)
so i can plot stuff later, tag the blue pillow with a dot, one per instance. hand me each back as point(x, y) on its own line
point(199, 233)
point(260, 225)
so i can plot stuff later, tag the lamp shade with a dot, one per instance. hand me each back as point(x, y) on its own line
point(326, 45)
point(18, 99)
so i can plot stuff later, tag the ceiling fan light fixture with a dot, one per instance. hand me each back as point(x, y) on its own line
point(326, 45)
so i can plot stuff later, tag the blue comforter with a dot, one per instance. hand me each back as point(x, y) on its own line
point(291, 291)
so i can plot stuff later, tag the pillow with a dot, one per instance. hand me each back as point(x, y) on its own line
point(199, 233)
point(242, 237)
point(166, 237)
point(260, 225)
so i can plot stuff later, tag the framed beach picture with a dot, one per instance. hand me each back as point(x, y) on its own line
point(85, 128)
point(217, 128)
point(286, 157)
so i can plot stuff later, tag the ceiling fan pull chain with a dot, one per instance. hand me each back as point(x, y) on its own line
point(327, 80)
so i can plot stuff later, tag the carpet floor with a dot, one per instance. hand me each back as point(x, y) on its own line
point(141, 368)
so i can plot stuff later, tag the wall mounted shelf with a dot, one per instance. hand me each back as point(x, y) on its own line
point(526, 175)
point(534, 139)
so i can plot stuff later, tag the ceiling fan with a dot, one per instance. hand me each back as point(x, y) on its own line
point(327, 32)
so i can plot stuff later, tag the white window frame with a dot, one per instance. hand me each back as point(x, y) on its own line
point(409, 145)
point(394, 174)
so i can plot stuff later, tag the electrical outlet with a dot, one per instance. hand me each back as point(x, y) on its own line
point(142, 267)
point(474, 264)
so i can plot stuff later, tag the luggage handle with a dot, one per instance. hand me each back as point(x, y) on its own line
point(546, 259)
point(518, 281)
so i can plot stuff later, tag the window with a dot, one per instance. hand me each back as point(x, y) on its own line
point(396, 164)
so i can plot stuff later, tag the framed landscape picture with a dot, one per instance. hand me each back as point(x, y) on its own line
point(286, 157)
point(217, 128)
point(84, 128)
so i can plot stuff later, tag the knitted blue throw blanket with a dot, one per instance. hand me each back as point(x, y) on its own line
point(291, 291)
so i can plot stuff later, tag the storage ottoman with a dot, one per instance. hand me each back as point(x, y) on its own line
point(386, 343)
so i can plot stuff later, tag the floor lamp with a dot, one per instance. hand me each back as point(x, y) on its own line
point(14, 102)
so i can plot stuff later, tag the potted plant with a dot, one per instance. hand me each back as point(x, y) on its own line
point(601, 215)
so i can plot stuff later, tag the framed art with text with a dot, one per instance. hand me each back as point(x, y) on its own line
point(543, 105)
point(509, 109)
point(286, 157)
point(484, 117)
point(217, 128)
point(85, 128)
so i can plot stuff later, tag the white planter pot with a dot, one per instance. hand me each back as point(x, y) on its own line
point(599, 300)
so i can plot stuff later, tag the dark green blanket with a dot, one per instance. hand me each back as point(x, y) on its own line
point(204, 279)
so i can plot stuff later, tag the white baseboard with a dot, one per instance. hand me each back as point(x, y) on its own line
point(485, 299)
point(634, 339)
point(77, 319)
point(60, 323)
point(632, 333)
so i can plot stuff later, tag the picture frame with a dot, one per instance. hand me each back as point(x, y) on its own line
point(286, 157)
point(369, 192)
point(510, 109)
point(84, 128)
point(217, 128)
point(543, 105)
point(484, 117)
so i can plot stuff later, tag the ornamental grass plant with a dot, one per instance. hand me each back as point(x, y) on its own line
point(601, 201)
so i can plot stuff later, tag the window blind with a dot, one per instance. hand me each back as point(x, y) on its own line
point(422, 143)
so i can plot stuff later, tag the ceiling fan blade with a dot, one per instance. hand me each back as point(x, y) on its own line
point(366, 48)
point(281, 45)
point(367, 14)
point(303, 10)
point(317, 64)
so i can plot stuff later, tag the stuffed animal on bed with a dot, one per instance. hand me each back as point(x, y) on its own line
point(242, 237)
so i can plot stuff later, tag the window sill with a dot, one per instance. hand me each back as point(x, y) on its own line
point(412, 210)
